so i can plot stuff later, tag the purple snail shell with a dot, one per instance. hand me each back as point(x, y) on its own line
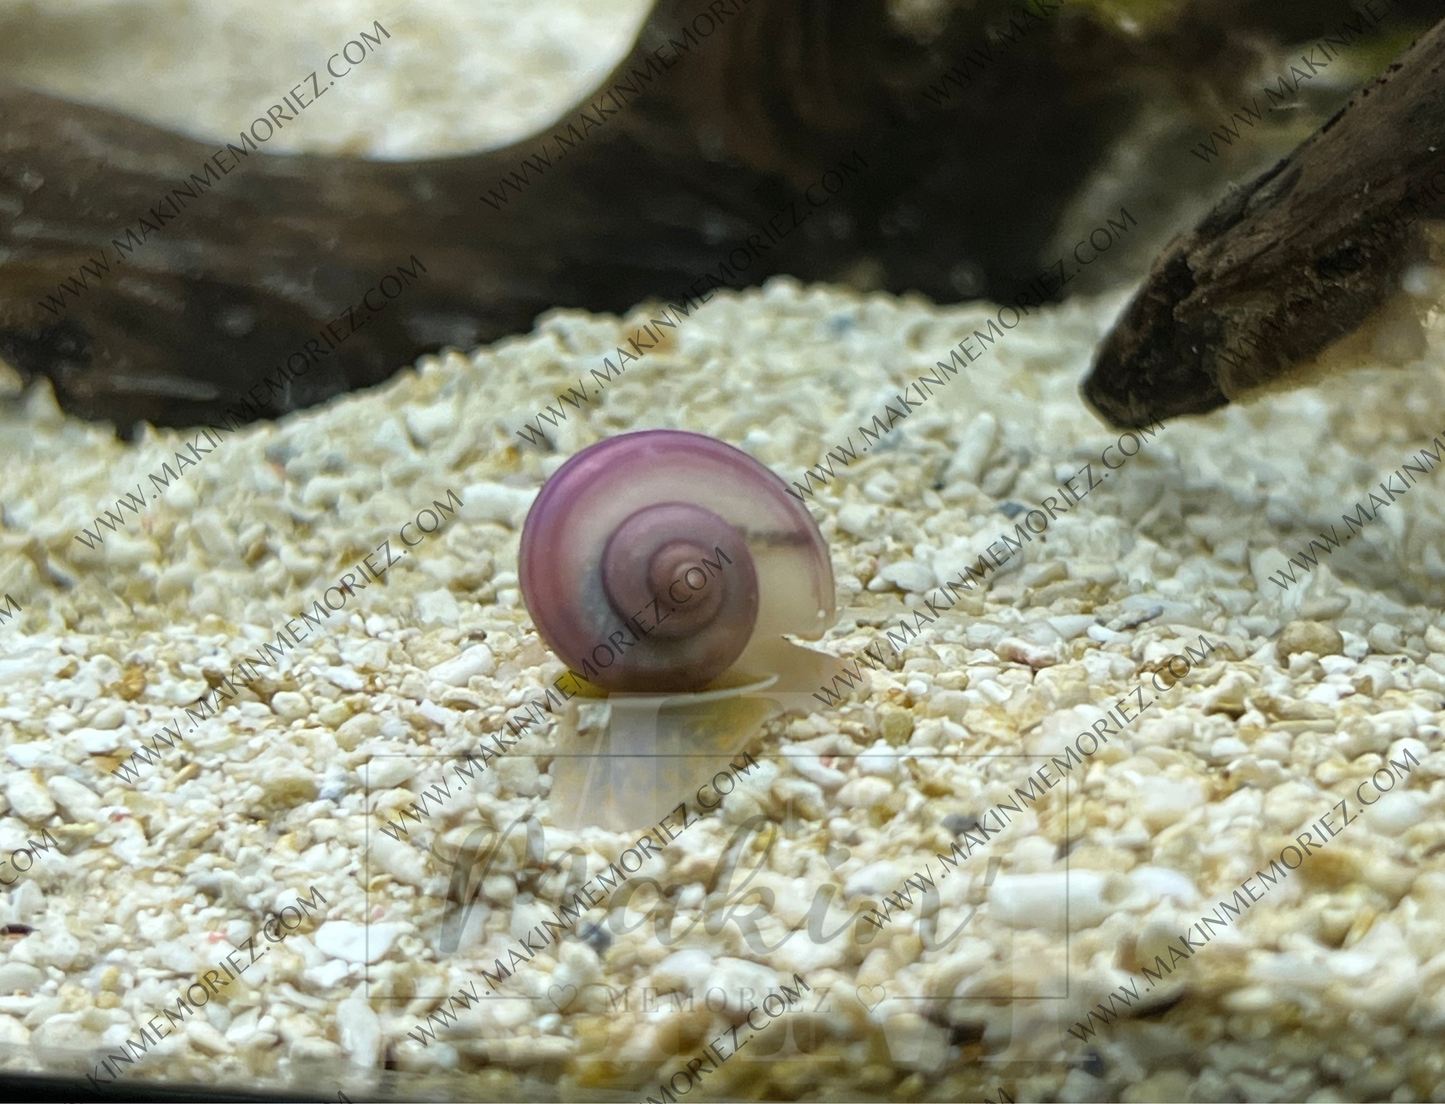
point(658, 561)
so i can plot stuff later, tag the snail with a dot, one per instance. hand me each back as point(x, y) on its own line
point(663, 560)
point(664, 568)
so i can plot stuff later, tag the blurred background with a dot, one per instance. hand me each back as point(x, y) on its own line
point(1100, 105)
point(456, 76)
point(467, 75)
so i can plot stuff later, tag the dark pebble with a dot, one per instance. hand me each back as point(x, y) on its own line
point(597, 937)
point(958, 823)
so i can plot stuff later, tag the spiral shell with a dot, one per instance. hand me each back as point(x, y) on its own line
point(665, 561)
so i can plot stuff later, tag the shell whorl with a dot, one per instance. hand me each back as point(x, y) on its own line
point(647, 571)
point(655, 561)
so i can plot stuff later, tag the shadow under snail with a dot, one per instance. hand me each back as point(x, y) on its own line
point(664, 568)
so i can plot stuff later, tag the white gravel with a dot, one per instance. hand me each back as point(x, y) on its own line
point(1328, 990)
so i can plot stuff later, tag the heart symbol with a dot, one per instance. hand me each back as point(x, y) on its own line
point(870, 990)
point(837, 858)
point(557, 991)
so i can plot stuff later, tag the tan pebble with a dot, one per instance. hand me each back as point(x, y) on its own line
point(29, 798)
point(1166, 1085)
point(1229, 697)
point(1391, 878)
point(915, 1043)
point(78, 802)
point(897, 724)
point(875, 1076)
point(1324, 609)
point(1160, 671)
point(530, 1050)
point(1339, 867)
point(206, 1038)
point(73, 837)
point(186, 773)
point(593, 1032)
point(13, 1032)
point(864, 792)
point(132, 684)
point(593, 1074)
point(911, 1087)
point(1435, 639)
point(1331, 771)
point(948, 703)
point(361, 727)
point(1308, 636)
point(1021, 651)
point(692, 1027)
point(286, 788)
point(334, 714)
point(290, 706)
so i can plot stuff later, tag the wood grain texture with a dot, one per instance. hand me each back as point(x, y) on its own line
point(748, 118)
point(660, 194)
point(1285, 267)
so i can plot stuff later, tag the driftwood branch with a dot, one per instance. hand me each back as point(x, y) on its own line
point(281, 252)
point(265, 259)
point(1286, 267)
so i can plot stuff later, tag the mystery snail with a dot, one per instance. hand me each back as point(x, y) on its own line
point(665, 561)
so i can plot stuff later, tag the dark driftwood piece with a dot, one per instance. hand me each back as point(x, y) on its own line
point(1291, 263)
point(955, 202)
point(737, 128)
